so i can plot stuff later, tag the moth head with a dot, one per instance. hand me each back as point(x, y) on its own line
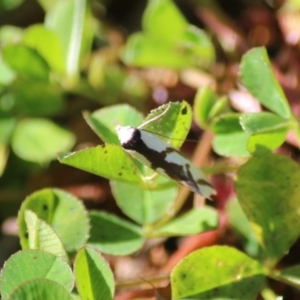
point(125, 134)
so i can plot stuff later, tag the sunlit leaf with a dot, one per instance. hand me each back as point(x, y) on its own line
point(35, 264)
point(94, 278)
point(258, 77)
point(217, 272)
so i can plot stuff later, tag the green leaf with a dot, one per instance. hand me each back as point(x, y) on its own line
point(9, 5)
point(72, 22)
point(26, 62)
point(7, 75)
point(60, 210)
point(142, 51)
point(192, 222)
point(239, 222)
point(35, 264)
point(230, 139)
point(259, 79)
point(103, 121)
point(109, 161)
point(205, 100)
point(42, 236)
point(39, 140)
point(290, 275)
point(228, 123)
point(197, 44)
point(145, 206)
point(94, 278)
point(171, 122)
point(217, 272)
point(36, 98)
point(262, 122)
point(163, 20)
point(47, 44)
point(168, 40)
point(40, 289)
point(268, 190)
point(112, 235)
point(267, 131)
point(7, 126)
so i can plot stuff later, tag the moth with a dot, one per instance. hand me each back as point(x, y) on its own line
point(163, 158)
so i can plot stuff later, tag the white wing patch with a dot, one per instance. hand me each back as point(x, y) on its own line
point(166, 160)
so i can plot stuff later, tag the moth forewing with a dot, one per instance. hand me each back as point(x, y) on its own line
point(164, 159)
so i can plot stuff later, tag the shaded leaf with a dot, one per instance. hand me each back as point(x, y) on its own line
point(268, 190)
point(145, 206)
point(113, 235)
point(192, 222)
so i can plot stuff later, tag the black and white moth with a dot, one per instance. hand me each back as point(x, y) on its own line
point(164, 159)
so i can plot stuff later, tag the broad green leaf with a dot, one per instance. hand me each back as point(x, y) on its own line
point(103, 121)
point(7, 75)
point(9, 4)
point(262, 143)
point(227, 123)
point(7, 126)
point(230, 139)
point(109, 161)
point(41, 236)
point(40, 289)
point(192, 222)
point(47, 44)
point(232, 144)
point(27, 265)
point(217, 272)
point(168, 40)
point(163, 20)
point(171, 122)
point(36, 98)
point(205, 100)
point(39, 140)
point(72, 22)
point(60, 210)
point(267, 131)
point(259, 79)
point(268, 191)
point(290, 275)
point(113, 235)
point(94, 278)
point(145, 206)
point(262, 122)
point(197, 44)
point(240, 224)
point(26, 62)
point(221, 107)
point(143, 51)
